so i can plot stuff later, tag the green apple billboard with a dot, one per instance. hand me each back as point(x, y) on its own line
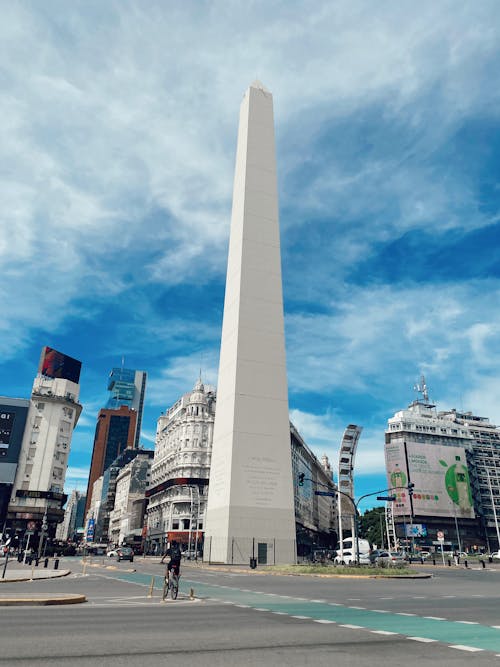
point(441, 478)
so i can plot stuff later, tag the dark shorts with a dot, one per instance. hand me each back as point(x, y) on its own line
point(175, 566)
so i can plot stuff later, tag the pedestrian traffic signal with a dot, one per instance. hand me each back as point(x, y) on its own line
point(301, 478)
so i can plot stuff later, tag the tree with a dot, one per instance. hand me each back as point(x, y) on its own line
point(372, 526)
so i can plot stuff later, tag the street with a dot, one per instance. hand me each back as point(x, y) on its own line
point(240, 618)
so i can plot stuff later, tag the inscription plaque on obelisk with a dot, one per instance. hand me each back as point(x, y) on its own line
point(250, 508)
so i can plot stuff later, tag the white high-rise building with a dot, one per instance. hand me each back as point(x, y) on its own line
point(250, 509)
point(37, 494)
point(453, 460)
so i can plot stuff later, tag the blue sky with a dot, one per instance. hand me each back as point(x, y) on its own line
point(117, 148)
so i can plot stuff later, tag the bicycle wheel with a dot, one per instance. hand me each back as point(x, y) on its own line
point(174, 586)
point(165, 588)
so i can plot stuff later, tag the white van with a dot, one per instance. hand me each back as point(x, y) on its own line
point(347, 555)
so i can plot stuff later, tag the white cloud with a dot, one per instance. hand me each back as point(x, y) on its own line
point(120, 141)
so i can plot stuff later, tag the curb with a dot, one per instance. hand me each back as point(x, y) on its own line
point(45, 601)
point(61, 573)
point(218, 568)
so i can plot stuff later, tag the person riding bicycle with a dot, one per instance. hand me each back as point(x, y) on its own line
point(175, 559)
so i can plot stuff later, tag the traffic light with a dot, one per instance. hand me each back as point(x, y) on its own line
point(301, 478)
point(411, 486)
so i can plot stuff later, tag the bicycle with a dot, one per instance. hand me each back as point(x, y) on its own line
point(171, 583)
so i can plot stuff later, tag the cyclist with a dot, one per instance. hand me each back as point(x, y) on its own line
point(175, 559)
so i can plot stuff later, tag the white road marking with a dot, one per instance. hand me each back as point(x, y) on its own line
point(426, 640)
point(322, 620)
point(356, 607)
point(353, 627)
point(468, 622)
point(434, 618)
point(386, 598)
point(460, 647)
point(383, 632)
point(301, 617)
point(380, 611)
point(280, 613)
point(404, 613)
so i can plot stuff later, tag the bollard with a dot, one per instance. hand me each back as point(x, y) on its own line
point(46, 562)
point(19, 557)
point(449, 562)
point(466, 564)
point(433, 561)
point(421, 560)
point(191, 593)
point(150, 594)
point(490, 559)
point(483, 563)
point(56, 563)
point(37, 560)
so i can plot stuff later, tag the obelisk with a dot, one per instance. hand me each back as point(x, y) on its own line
point(250, 508)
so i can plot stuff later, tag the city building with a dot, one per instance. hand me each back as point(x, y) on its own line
point(180, 470)
point(453, 461)
point(128, 387)
point(103, 497)
point(94, 516)
point(126, 520)
point(71, 527)
point(115, 432)
point(37, 495)
point(484, 459)
point(315, 516)
point(250, 506)
point(119, 423)
point(13, 415)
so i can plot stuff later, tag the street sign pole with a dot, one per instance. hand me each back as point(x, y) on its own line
point(440, 537)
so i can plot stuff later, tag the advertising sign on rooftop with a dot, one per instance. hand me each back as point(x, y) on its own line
point(440, 475)
point(54, 364)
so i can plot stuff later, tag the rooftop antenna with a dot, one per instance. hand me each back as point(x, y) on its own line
point(421, 388)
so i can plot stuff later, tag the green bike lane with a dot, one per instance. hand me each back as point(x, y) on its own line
point(459, 634)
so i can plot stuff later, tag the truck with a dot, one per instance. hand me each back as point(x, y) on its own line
point(346, 553)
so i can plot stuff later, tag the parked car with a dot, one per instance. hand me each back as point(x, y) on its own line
point(373, 555)
point(125, 553)
point(496, 555)
point(389, 558)
point(112, 553)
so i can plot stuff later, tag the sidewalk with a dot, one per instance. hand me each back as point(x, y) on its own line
point(29, 574)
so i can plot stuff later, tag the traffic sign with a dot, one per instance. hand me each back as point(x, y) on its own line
point(324, 493)
point(44, 526)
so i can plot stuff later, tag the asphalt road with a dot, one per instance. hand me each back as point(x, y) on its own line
point(253, 619)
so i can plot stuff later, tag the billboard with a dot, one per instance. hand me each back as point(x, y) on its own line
point(415, 530)
point(442, 485)
point(54, 364)
point(13, 414)
point(6, 426)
